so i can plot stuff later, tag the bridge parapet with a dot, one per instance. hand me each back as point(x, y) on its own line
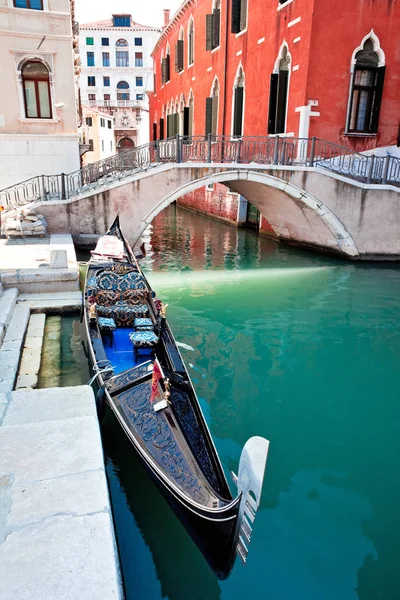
point(275, 151)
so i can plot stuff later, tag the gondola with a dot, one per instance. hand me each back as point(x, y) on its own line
point(139, 372)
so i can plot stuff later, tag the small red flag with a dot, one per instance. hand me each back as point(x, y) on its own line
point(157, 375)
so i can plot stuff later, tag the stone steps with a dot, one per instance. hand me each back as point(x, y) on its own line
point(8, 300)
point(51, 353)
point(10, 353)
point(59, 302)
point(28, 373)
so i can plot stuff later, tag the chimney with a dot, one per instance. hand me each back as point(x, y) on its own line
point(166, 16)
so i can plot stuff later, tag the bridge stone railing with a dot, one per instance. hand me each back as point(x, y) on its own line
point(293, 152)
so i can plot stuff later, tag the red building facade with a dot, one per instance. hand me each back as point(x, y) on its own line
point(297, 68)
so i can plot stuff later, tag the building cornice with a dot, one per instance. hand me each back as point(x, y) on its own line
point(175, 19)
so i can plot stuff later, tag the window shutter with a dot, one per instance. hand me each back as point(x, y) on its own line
point(238, 114)
point(209, 103)
point(235, 23)
point(179, 49)
point(216, 27)
point(273, 96)
point(186, 121)
point(209, 31)
point(168, 70)
point(176, 58)
point(282, 101)
point(161, 129)
point(378, 99)
point(214, 115)
point(164, 70)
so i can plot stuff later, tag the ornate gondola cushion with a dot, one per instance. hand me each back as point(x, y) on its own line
point(123, 314)
point(92, 286)
point(143, 324)
point(143, 339)
point(106, 323)
point(107, 298)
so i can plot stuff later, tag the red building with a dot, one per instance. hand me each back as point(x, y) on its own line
point(297, 68)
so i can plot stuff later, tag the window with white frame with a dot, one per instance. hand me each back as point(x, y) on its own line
point(239, 16)
point(366, 91)
point(213, 22)
point(238, 101)
point(278, 93)
point(36, 88)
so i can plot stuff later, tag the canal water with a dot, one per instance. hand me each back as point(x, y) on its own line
point(301, 349)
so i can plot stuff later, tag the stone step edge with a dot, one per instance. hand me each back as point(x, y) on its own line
point(8, 301)
point(11, 348)
point(31, 354)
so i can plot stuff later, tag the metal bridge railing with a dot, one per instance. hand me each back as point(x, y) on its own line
point(275, 150)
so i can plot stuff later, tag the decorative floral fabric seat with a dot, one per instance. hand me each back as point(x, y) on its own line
point(121, 297)
point(143, 324)
point(107, 323)
point(143, 339)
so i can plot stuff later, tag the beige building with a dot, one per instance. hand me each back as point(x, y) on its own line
point(38, 109)
point(97, 132)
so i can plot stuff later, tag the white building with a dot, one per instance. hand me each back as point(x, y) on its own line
point(97, 132)
point(38, 111)
point(116, 73)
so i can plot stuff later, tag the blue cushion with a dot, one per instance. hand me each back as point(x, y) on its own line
point(106, 323)
point(143, 323)
point(143, 339)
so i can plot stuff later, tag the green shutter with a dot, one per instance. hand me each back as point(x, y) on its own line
point(376, 108)
point(164, 70)
point(179, 48)
point(176, 58)
point(273, 95)
point(238, 112)
point(209, 103)
point(216, 27)
point(235, 22)
point(281, 104)
point(214, 115)
point(209, 31)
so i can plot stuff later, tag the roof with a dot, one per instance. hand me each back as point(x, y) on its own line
point(108, 24)
point(86, 108)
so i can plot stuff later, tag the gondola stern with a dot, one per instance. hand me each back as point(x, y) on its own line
point(249, 482)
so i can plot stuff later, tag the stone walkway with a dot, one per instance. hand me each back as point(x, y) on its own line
point(26, 264)
point(56, 530)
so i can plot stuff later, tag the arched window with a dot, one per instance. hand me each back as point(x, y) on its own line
point(212, 109)
point(166, 66)
point(190, 115)
point(238, 97)
point(191, 42)
point(123, 95)
point(278, 94)
point(36, 85)
point(121, 56)
point(213, 22)
point(366, 91)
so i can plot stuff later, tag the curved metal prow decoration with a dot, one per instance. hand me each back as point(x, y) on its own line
point(249, 479)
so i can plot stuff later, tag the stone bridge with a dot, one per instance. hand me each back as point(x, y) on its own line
point(307, 204)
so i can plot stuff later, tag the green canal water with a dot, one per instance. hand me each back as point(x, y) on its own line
point(301, 349)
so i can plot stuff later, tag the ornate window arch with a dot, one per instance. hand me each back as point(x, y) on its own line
point(123, 90)
point(238, 103)
point(279, 91)
point(121, 43)
point(212, 108)
point(35, 77)
point(366, 87)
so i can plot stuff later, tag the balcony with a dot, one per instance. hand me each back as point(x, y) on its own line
point(117, 103)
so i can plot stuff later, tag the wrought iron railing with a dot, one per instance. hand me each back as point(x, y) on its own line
point(275, 151)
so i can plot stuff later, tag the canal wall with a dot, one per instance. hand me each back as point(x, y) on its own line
point(56, 529)
point(305, 206)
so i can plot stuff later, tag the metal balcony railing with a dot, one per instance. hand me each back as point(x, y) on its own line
point(274, 151)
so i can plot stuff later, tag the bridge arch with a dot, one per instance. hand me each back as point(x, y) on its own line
point(293, 214)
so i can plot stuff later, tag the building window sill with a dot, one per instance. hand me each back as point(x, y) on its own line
point(215, 49)
point(43, 121)
point(282, 135)
point(359, 134)
point(282, 6)
point(241, 32)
